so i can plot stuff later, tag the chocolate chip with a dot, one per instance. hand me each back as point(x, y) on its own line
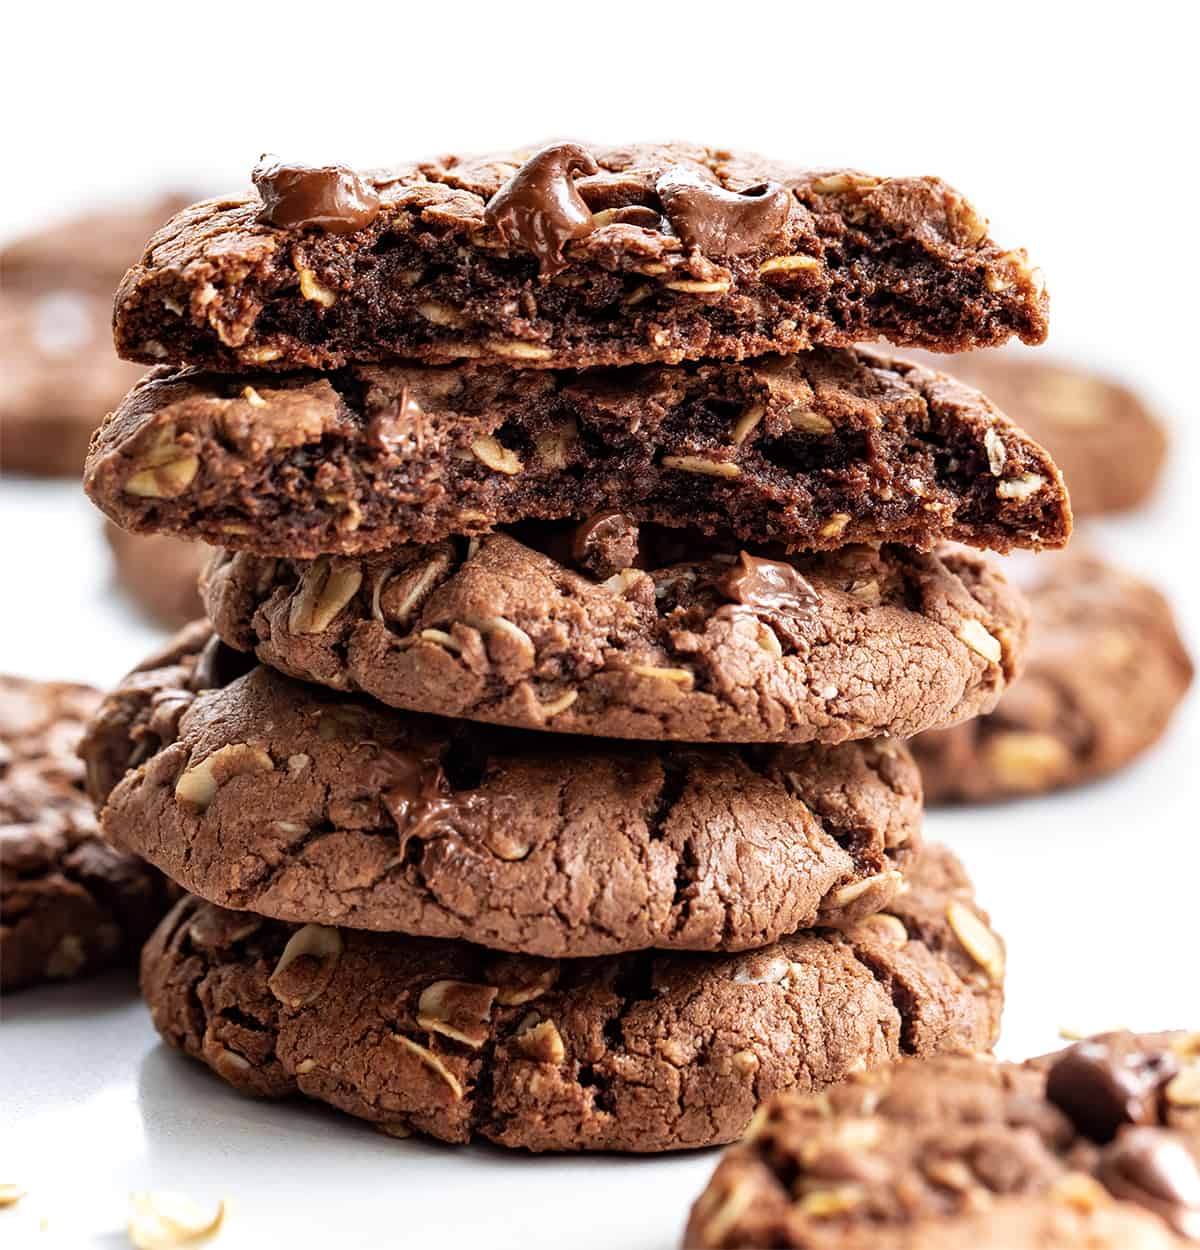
point(1101, 1085)
point(768, 586)
point(720, 222)
point(605, 543)
point(1154, 1168)
point(332, 197)
point(540, 209)
point(403, 423)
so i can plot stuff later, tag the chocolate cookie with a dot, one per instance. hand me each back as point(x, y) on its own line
point(69, 903)
point(567, 258)
point(642, 1052)
point(1103, 675)
point(812, 451)
point(1096, 1147)
point(59, 374)
point(299, 804)
point(159, 573)
point(1109, 445)
point(705, 646)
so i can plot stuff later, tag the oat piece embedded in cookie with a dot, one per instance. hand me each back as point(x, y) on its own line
point(1104, 673)
point(643, 1052)
point(1096, 1147)
point(703, 643)
point(260, 794)
point(813, 451)
point(159, 573)
point(1110, 446)
point(59, 374)
point(571, 258)
point(69, 903)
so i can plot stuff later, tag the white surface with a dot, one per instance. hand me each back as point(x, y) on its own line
point(1069, 131)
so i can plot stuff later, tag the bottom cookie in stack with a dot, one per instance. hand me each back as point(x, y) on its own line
point(70, 904)
point(648, 1051)
point(501, 886)
point(1103, 675)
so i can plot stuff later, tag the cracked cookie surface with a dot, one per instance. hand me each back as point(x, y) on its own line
point(643, 1052)
point(702, 643)
point(812, 451)
point(1104, 672)
point(308, 806)
point(425, 271)
point(1096, 1147)
point(70, 904)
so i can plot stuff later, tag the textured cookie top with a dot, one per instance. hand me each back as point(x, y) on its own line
point(812, 451)
point(262, 794)
point(1101, 639)
point(570, 258)
point(648, 1051)
point(69, 902)
point(1109, 444)
point(616, 629)
point(1097, 1146)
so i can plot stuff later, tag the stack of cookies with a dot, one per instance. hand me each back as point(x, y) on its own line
point(540, 775)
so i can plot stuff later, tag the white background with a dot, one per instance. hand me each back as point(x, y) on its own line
point(1075, 131)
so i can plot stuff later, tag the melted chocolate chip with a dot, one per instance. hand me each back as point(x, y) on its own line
point(412, 786)
point(332, 197)
point(402, 425)
point(605, 544)
point(719, 222)
point(540, 209)
point(1154, 1168)
point(1101, 1085)
point(769, 586)
point(218, 665)
point(639, 215)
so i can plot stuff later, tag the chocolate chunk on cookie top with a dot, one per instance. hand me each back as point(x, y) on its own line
point(1104, 673)
point(670, 637)
point(570, 257)
point(642, 1052)
point(261, 794)
point(1094, 1148)
point(69, 903)
point(811, 451)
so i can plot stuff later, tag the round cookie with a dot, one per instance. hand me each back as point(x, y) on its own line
point(159, 573)
point(698, 645)
point(643, 1052)
point(1110, 447)
point(1103, 675)
point(69, 903)
point(305, 805)
point(1096, 1147)
point(59, 373)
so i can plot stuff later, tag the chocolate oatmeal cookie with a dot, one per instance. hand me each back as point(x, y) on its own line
point(296, 803)
point(812, 451)
point(1096, 1147)
point(642, 1052)
point(638, 633)
point(1104, 673)
point(159, 573)
point(59, 373)
point(566, 258)
point(69, 903)
point(1110, 446)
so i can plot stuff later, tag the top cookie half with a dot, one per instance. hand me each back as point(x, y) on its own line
point(570, 257)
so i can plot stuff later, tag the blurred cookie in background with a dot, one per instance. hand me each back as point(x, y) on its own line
point(59, 374)
point(159, 573)
point(1110, 446)
point(71, 903)
point(1104, 673)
